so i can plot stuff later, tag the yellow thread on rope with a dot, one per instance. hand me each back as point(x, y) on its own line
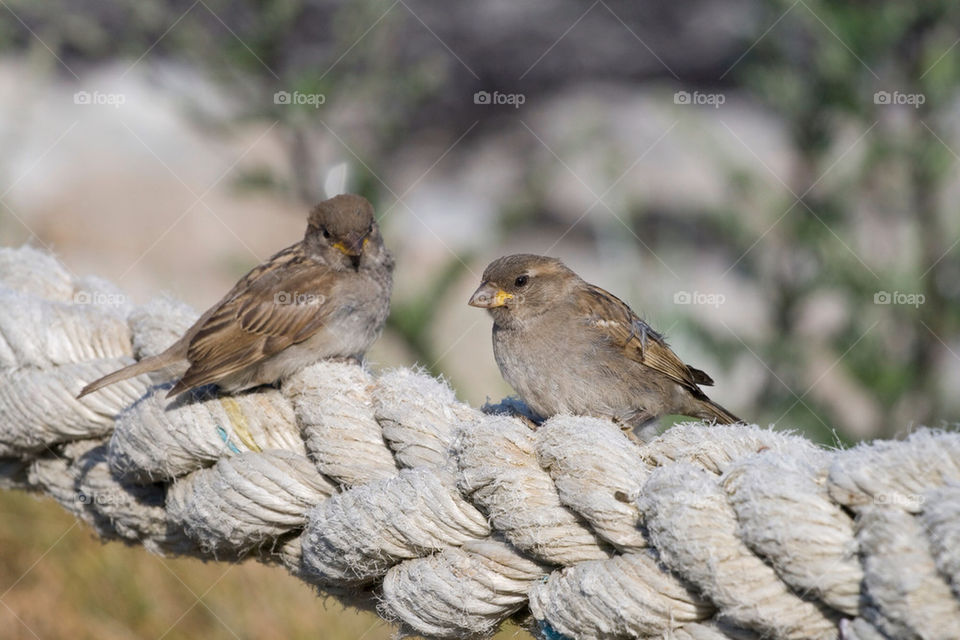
point(239, 422)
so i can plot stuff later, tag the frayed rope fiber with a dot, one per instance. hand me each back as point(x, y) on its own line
point(385, 491)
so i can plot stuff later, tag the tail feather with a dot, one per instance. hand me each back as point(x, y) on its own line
point(700, 377)
point(147, 365)
point(710, 410)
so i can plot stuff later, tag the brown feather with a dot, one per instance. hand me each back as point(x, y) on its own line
point(701, 376)
point(623, 328)
point(260, 317)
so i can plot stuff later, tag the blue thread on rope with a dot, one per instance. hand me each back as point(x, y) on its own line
point(226, 439)
point(549, 633)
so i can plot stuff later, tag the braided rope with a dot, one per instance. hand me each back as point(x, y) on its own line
point(387, 492)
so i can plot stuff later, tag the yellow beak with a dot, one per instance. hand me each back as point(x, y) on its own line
point(353, 248)
point(489, 296)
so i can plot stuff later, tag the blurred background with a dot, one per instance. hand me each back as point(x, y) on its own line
point(774, 185)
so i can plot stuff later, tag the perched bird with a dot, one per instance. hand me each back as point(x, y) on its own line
point(567, 346)
point(326, 296)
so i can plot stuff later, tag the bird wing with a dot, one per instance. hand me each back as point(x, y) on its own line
point(622, 328)
point(278, 304)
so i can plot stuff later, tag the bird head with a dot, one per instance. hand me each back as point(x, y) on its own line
point(344, 231)
point(518, 287)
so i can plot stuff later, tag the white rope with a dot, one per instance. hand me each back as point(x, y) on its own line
point(388, 493)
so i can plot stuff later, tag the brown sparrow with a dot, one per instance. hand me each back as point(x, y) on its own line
point(326, 296)
point(569, 347)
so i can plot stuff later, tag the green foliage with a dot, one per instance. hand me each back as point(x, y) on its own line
point(819, 69)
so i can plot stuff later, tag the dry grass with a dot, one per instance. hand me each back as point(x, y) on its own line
point(58, 581)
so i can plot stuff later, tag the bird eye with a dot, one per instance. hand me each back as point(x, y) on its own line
point(326, 234)
point(522, 280)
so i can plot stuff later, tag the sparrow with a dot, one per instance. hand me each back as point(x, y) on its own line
point(569, 347)
point(326, 296)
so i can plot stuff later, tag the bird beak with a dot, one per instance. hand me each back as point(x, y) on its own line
point(489, 296)
point(353, 247)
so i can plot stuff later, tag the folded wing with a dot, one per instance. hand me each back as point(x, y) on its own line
point(625, 330)
point(259, 319)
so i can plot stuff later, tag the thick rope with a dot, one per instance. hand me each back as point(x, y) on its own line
point(387, 492)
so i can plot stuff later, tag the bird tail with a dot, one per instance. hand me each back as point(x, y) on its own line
point(153, 363)
point(710, 410)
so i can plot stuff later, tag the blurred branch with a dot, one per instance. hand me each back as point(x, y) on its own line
point(414, 318)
